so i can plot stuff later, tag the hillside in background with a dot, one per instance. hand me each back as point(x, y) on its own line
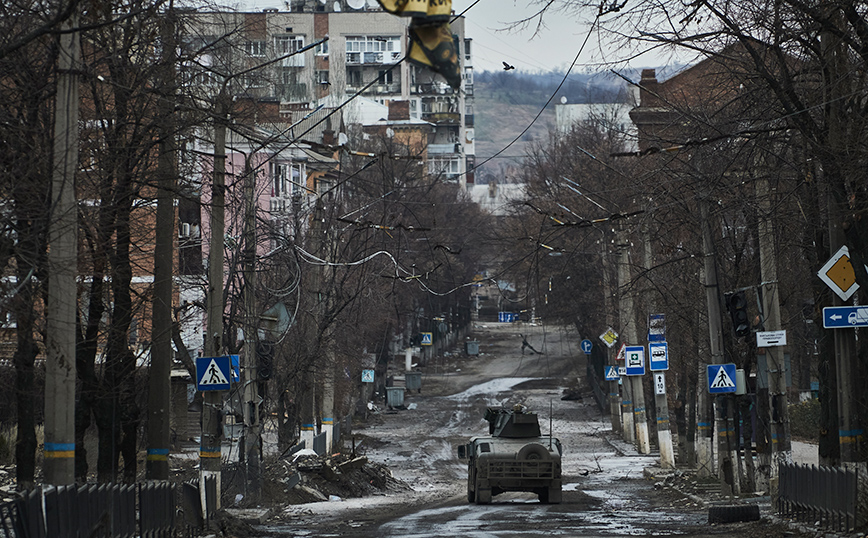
point(506, 102)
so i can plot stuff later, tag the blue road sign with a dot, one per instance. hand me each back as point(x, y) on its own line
point(427, 339)
point(507, 317)
point(837, 317)
point(236, 369)
point(634, 360)
point(658, 356)
point(587, 346)
point(721, 378)
point(656, 327)
point(213, 373)
point(367, 376)
point(612, 373)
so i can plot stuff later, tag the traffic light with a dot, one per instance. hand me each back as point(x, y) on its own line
point(265, 355)
point(736, 303)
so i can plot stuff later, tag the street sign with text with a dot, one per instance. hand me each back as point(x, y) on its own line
point(771, 338)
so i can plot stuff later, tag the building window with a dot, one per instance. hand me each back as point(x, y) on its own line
point(322, 49)
point(255, 48)
point(373, 49)
point(296, 184)
point(385, 77)
point(444, 165)
point(354, 78)
point(286, 45)
point(322, 77)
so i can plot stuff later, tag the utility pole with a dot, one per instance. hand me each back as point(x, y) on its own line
point(779, 416)
point(209, 450)
point(727, 458)
point(159, 399)
point(632, 384)
point(307, 397)
point(614, 394)
point(327, 366)
point(851, 436)
point(59, 447)
point(664, 435)
point(250, 371)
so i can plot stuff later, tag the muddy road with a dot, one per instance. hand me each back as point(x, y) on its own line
point(604, 492)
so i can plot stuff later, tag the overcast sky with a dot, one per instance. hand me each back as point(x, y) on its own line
point(486, 22)
point(553, 48)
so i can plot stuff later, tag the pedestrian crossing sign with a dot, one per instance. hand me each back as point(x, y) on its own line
point(721, 378)
point(213, 373)
point(427, 339)
point(612, 373)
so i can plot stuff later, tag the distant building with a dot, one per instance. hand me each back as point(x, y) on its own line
point(496, 198)
point(610, 116)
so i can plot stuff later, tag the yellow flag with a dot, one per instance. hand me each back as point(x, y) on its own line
point(433, 47)
point(430, 10)
point(431, 42)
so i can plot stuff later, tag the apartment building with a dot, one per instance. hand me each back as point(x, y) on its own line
point(311, 54)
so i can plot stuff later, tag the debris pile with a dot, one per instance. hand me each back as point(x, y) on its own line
point(311, 478)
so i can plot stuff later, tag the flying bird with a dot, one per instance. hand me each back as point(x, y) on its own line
point(507, 67)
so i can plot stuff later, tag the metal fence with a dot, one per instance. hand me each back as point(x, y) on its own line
point(319, 444)
point(825, 494)
point(145, 510)
point(599, 395)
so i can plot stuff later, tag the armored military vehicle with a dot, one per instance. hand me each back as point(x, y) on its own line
point(513, 457)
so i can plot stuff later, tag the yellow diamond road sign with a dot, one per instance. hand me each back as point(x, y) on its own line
point(838, 274)
point(609, 337)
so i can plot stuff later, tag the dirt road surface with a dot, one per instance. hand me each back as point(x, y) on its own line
point(605, 493)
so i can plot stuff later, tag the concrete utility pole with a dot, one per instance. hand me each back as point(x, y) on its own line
point(779, 416)
point(250, 370)
point(209, 450)
point(664, 435)
point(327, 366)
point(159, 399)
point(307, 396)
point(632, 384)
point(614, 394)
point(851, 436)
point(727, 457)
point(59, 447)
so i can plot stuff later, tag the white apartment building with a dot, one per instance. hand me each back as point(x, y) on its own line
point(311, 53)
